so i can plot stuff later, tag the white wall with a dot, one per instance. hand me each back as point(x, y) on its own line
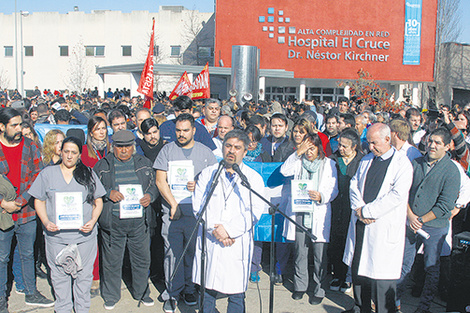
point(46, 31)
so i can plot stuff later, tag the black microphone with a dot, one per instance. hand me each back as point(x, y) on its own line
point(237, 170)
point(219, 170)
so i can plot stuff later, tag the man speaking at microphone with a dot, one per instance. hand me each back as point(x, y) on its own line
point(231, 215)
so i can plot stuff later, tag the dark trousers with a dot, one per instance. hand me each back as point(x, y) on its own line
point(382, 291)
point(432, 252)
point(236, 302)
point(301, 278)
point(134, 233)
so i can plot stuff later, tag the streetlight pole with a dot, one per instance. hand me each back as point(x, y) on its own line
point(22, 13)
point(16, 45)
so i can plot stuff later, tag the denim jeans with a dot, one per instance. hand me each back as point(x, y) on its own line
point(432, 252)
point(236, 302)
point(17, 272)
point(25, 237)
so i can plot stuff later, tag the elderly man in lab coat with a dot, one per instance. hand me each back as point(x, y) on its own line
point(376, 237)
point(231, 214)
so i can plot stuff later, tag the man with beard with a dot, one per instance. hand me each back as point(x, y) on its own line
point(20, 162)
point(178, 218)
point(152, 143)
point(332, 131)
point(184, 104)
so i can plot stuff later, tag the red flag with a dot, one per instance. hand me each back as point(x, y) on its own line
point(146, 79)
point(201, 88)
point(182, 88)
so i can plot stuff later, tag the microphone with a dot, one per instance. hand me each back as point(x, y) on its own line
point(237, 170)
point(219, 170)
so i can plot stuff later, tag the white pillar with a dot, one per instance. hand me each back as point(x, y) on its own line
point(101, 85)
point(415, 99)
point(302, 90)
point(346, 91)
point(134, 78)
point(262, 86)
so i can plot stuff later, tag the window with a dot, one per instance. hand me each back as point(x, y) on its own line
point(28, 51)
point(204, 52)
point(8, 51)
point(64, 51)
point(126, 51)
point(94, 51)
point(155, 51)
point(175, 51)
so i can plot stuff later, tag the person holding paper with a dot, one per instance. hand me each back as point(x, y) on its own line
point(177, 165)
point(310, 168)
point(130, 184)
point(433, 193)
point(68, 202)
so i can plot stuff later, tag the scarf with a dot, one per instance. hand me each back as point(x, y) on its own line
point(310, 168)
point(98, 145)
point(151, 152)
point(253, 154)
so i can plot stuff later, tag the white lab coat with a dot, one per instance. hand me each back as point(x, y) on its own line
point(227, 268)
point(384, 240)
point(328, 187)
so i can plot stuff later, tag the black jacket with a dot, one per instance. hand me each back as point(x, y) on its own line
point(106, 173)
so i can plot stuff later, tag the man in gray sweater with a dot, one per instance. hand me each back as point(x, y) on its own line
point(433, 193)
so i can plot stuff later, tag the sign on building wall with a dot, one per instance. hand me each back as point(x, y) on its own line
point(411, 49)
point(392, 40)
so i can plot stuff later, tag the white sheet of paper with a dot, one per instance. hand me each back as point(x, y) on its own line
point(69, 210)
point(130, 206)
point(179, 173)
point(301, 201)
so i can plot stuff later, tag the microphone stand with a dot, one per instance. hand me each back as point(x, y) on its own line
point(273, 209)
point(215, 181)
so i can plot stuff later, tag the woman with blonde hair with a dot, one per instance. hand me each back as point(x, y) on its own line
point(51, 149)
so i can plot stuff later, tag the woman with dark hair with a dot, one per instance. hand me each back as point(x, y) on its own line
point(462, 122)
point(97, 145)
point(310, 163)
point(300, 129)
point(60, 184)
point(347, 159)
point(255, 152)
point(96, 148)
point(33, 115)
point(29, 132)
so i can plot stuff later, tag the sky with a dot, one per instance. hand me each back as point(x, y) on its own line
point(64, 6)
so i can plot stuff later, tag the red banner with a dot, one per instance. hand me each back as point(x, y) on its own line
point(201, 88)
point(146, 79)
point(182, 88)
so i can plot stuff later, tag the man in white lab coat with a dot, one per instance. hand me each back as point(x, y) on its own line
point(231, 214)
point(376, 236)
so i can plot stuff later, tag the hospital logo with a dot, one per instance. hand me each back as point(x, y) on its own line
point(276, 25)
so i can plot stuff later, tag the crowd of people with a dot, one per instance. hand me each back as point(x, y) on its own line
point(381, 186)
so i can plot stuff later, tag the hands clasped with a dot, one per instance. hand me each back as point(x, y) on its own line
point(221, 235)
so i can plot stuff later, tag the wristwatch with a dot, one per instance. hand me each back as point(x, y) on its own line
point(420, 220)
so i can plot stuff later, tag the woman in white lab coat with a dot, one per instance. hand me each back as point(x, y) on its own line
point(310, 163)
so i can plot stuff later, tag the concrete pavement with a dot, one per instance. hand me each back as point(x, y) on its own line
point(334, 302)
